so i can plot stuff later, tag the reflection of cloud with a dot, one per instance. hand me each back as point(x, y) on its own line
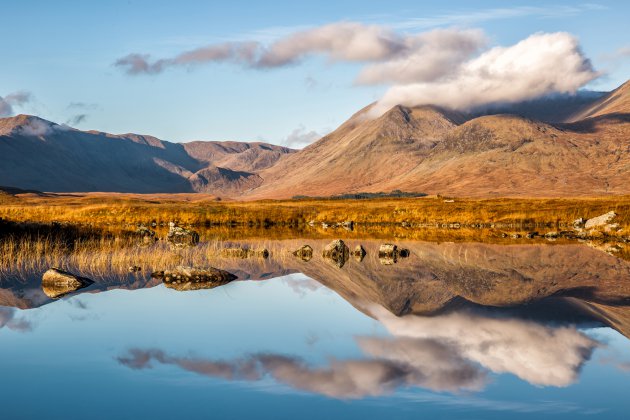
point(8, 319)
point(538, 354)
point(395, 365)
point(301, 286)
point(78, 303)
point(444, 353)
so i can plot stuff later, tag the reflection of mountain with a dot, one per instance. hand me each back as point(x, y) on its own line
point(573, 282)
point(25, 291)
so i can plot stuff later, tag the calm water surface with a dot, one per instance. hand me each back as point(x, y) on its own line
point(454, 331)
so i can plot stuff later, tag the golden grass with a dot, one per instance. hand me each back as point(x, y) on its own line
point(122, 211)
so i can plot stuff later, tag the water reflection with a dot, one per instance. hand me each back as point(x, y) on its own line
point(456, 317)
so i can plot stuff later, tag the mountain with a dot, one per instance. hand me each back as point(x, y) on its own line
point(615, 103)
point(550, 147)
point(41, 155)
point(435, 151)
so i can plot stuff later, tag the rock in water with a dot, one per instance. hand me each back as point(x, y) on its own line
point(388, 254)
point(336, 251)
point(179, 237)
point(193, 278)
point(305, 253)
point(57, 283)
point(359, 253)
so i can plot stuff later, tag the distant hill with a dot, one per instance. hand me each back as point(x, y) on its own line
point(41, 155)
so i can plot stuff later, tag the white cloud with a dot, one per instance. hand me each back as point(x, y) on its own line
point(540, 64)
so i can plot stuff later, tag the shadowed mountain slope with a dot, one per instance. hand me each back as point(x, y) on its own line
point(38, 154)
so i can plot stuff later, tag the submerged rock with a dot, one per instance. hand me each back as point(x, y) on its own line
point(337, 252)
point(57, 283)
point(244, 253)
point(193, 278)
point(359, 253)
point(179, 237)
point(305, 253)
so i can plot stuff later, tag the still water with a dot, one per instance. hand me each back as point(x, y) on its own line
point(453, 331)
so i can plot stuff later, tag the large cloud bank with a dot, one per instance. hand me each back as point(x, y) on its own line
point(452, 67)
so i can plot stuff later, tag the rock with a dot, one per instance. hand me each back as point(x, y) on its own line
point(179, 237)
point(531, 235)
point(579, 223)
point(325, 225)
point(404, 253)
point(359, 253)
point(552, 235)
point(193, 278)
point(134, 268)
point(600, 221)
point(57, 283)
point(305, 253)
point(388, 254)
point(348, 225)
point(244, 253)
point(337, 252)
point(515, 236)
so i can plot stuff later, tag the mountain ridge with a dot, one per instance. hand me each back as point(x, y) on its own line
point(418, 149)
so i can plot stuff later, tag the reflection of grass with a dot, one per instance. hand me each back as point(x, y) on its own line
point(111, 256)
point(120, 210)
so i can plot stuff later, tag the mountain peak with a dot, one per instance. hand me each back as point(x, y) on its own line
point(29, 125)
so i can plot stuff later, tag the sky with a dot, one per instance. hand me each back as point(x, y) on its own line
point(288, 72)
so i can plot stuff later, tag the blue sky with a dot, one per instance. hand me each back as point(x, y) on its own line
point(63, 53)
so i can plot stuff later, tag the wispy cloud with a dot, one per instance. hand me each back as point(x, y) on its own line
point(476, 16)
point(301, 137)
point(8, 102)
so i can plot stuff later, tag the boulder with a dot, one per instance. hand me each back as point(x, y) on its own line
point(57, 283)
point(337, 252)
point(359, 253)
point(193, 278)
point(305, 253)
point(388, 254)
point(179, 237)
point(600, 221)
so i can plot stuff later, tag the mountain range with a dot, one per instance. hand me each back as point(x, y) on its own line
point(562, 146)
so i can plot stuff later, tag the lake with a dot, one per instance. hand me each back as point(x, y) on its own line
point(442, 330)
